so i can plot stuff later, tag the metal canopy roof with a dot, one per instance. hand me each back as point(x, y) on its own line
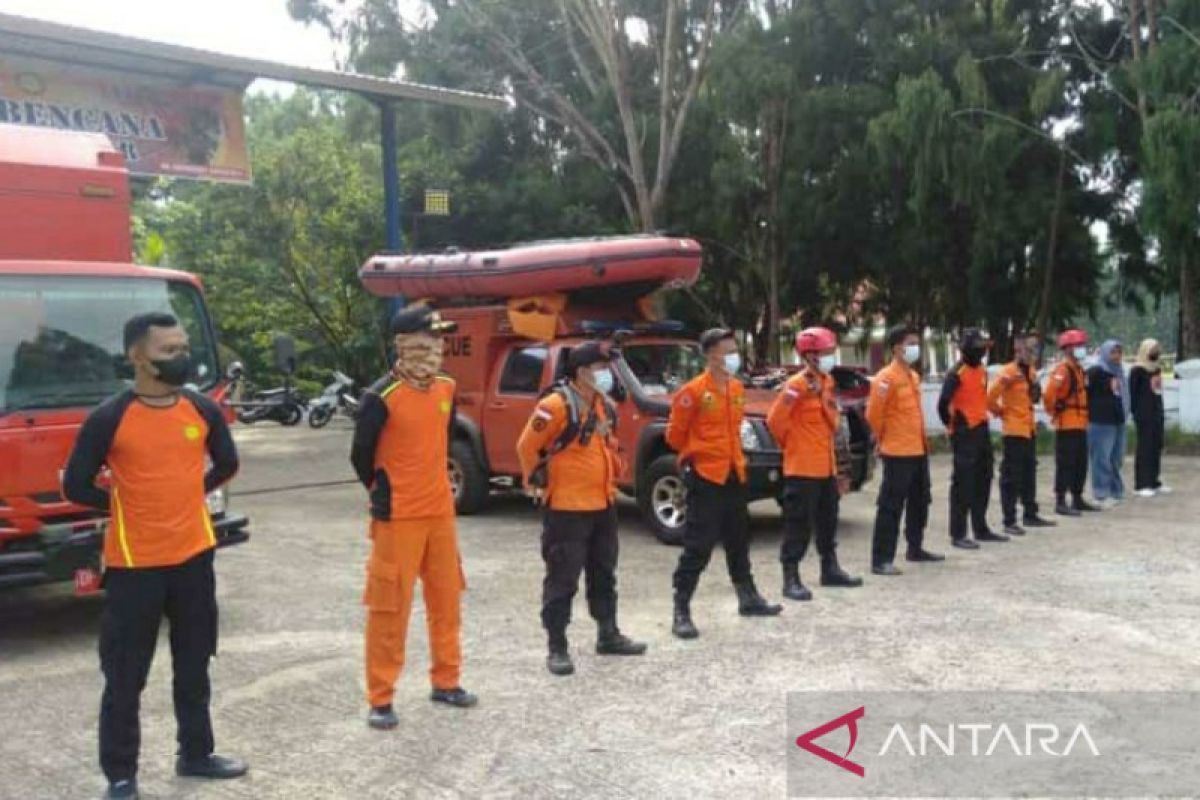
point(67, 43)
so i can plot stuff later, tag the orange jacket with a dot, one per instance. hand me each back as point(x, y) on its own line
point(705, 427)
point(964, 393)
point(803, 419)
point(1010, 400)
point(894, 411)
point(1067, 385)
point(579, 477)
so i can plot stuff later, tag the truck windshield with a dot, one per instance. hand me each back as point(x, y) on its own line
point(60, 336)
point(662, 368)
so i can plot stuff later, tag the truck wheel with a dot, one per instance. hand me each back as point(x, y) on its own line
point(468, 481)
point(662, 497)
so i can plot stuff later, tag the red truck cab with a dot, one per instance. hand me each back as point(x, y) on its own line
point(66, 288)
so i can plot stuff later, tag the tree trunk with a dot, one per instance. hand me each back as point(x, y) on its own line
point(1189, 324)
point(1043, 317)
point(775, 130)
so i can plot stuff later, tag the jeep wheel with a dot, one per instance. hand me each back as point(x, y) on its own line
point(663, 500)
point(468, 481)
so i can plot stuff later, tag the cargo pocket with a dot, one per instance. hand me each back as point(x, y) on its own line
point(383, 588)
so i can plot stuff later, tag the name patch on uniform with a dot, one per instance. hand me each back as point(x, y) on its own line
point(707, 400)
point(191, 432)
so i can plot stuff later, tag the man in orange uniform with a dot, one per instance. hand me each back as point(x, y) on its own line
point(1011, 398)
point(1066, 402)
point(804, 419)
point(894, 414)
point(705, 430)
point(568, 454)
point(158, 547)
point(399, 453)
point(963, 409)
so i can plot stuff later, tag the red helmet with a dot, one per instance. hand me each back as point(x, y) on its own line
point(1072, 338)
point(813, 340)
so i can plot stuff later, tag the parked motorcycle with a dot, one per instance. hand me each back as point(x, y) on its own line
point(283, 404)
point(337, 396)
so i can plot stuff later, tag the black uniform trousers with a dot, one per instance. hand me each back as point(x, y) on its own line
point(135, 602)
point(1018, 477)
point(1070, 463)
point(1147, 465)
point(574, 542)
point(715, 513)
point(971, 480)
point(905, 490)
point(808, 504)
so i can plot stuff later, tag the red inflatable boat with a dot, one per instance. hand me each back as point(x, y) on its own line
point(641, 263)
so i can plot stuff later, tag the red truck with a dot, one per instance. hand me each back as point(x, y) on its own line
point(67, 285)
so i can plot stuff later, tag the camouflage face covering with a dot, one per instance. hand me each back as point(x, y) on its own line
point(418, 359)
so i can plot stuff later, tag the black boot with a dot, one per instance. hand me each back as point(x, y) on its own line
point(1083, 505)
point(559, 659)
point(832, 573)
point(1036, 521)
point(212, 766)
point(793, 589)
point(682, 625)
point(611, 642)
point(1063, 509)
point(751, 603)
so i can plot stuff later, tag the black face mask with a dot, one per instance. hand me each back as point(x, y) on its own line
point(173, 371)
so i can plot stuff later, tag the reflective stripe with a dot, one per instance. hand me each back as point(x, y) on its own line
point(390, 389)
point(208, 528)
point(121, 533)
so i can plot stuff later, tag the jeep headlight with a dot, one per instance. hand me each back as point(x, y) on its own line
point(217, 500)
point(750, 439)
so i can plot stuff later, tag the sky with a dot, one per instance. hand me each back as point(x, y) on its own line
point(254, 28)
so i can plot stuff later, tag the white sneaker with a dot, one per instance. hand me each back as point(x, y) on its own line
point(1164, 489)
point(1107, 504)
point(1146, 493)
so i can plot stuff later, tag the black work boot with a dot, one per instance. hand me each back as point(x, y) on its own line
point(1036, 521)
point(383, 718)
point(793, 589)
point(457, 697)
point(991, 536)
point(122, 790)
point(559, 659)
point(1063, 509)
point(682, 625)
point(832, 573)
point(751, 603)
point(611, 642)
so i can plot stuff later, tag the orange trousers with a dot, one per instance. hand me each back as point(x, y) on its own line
point(402, 551)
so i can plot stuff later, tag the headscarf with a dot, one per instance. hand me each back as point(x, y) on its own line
point(418, 359)
point(1115, 370)
point(1147, 347)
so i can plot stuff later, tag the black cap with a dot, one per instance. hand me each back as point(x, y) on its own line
point(419, 318)
point(587, 354)
point(711, 337)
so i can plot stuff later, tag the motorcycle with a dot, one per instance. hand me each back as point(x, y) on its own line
point(337, 396)
point(283, 404)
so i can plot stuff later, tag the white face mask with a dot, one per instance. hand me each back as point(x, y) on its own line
point(1080, 353)
point(602, 379)
point(733, 363)
point(826, 363)
point(912, 352)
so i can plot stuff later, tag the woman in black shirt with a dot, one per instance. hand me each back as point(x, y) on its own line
point(1146, 403)
point(1108, 409)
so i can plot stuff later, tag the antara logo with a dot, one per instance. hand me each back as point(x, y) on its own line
point(807, 740)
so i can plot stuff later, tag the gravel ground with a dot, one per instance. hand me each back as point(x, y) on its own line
point(1109, 602)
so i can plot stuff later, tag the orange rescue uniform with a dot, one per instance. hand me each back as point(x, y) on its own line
point(1009, 399)
point(400, 451)
point(1068, 385)
point(803, 419)
point(579, 477)
point(894, 411)
point(705, 428)
point(970, 396)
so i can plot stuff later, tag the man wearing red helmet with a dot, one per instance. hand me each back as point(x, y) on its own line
point(804, 420)
point(1065, 400)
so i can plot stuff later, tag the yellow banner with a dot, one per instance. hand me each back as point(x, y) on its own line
point(162, 127)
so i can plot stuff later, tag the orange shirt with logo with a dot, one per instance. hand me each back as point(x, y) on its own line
point(970, 397)
point(1067, 384)
point(894, 411)
point(412, 450)
point(579, 477)
point(803, 419)
point(158, 514)
point(1010, 400)
point(705, 427)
